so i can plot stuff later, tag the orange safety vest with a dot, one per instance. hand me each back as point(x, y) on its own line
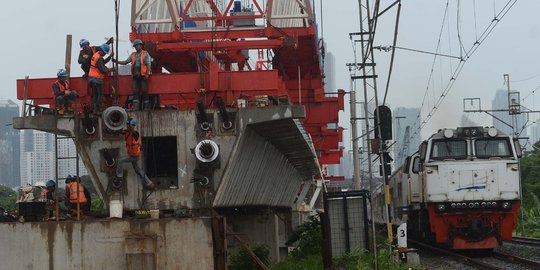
point(62, 87)
point(144, 67)
point(94, 70)
point(133, 146)
point(74, 188)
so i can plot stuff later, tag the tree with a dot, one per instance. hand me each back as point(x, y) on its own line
point(530, 188)
point(8, 198)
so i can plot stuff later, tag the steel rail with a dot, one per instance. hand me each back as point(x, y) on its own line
point(516, 259)
point(535, 242)
point(467, 260)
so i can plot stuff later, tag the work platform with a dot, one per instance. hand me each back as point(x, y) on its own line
point(261, 161)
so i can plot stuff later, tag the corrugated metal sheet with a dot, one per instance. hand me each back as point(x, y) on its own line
point(258, 175)
point(268, 165)
point(291, 139)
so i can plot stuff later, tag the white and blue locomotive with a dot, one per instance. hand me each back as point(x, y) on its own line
point(461, 189)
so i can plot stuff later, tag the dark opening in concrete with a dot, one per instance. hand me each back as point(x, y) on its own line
point(161, 161)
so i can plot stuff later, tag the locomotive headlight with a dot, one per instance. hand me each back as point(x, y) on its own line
point(441, 207)
point(506, 205)
point(448, 133)
point(492, 132)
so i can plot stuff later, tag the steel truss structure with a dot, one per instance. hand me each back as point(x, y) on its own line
point(202, 49)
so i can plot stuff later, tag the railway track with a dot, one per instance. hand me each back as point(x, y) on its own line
point(516, 259)
point(526, 241)
point(497, 261)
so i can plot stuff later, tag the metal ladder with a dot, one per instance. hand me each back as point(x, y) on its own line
point(58, 138)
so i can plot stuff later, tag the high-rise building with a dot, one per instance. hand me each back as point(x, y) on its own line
point(330, 73)
point(37, 157)
point(500, 102)
point(9, 145)
point(38, 161)
point(535, 134)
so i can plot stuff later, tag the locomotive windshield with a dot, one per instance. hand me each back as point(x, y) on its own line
point(449, 149)
point(486, 148)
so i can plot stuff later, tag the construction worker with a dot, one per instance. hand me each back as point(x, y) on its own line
point(97, 73)
point(86, 53)
point(140, 70)
point(64, 96)
point(76, 192)
point(133, 146)
point(48, 195)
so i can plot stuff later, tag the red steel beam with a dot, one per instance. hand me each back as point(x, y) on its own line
point(186, 35)
point(221, 45)
point(184, 83)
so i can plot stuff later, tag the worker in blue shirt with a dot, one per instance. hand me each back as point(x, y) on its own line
point(140, 70)
point(64, 97)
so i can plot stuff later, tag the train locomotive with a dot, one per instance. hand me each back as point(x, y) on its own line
point(460, 190)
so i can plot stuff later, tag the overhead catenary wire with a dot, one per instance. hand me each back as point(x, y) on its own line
point(475, 23)
point(458, 29)
point(393, 53)
point(433, 63)
point(468, 54)
point(420, 123)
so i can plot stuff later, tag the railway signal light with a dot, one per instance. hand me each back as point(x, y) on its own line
point(385, 123)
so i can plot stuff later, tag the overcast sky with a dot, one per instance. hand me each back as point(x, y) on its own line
point(512, 47)
point(34, 44)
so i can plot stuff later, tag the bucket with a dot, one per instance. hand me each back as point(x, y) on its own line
point(115, 209)
point(154, 214)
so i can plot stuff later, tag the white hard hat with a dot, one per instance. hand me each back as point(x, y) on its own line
point(39, 184)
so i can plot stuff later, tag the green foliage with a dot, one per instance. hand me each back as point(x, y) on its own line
point(243, 261)
point(8, 198)
point(97, 206)
point(308, 253)
point(309, 238)
point(529, 219)
point(312, 262)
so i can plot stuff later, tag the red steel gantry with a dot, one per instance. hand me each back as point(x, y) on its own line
point(201, 49)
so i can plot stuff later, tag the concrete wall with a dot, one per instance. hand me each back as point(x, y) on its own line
point(288, 157)
point(179, 244)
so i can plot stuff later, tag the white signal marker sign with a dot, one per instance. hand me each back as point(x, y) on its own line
point(402, 236)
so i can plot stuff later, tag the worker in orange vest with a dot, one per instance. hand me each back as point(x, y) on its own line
point(97, 73)
point(140, 70)
point(76, 192)
point(133, 147)
point(86, 53)
point(63, 95)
